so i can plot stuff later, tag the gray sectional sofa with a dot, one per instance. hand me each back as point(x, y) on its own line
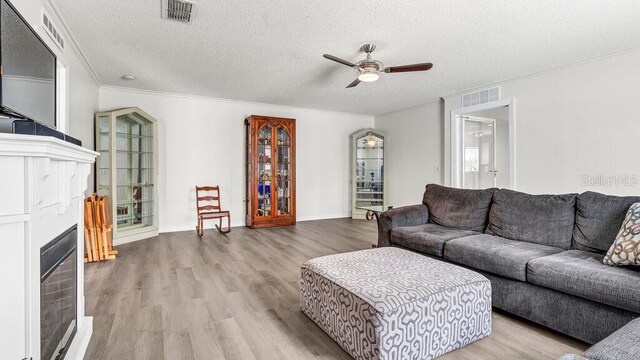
point(542, 253)
point(624, 344)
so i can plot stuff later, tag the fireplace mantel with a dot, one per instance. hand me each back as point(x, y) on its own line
point(42, 186)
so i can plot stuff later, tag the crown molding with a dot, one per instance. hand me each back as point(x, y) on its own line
point(224, 100)
point(52, 10)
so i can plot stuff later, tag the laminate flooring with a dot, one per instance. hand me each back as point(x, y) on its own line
point(177, 296)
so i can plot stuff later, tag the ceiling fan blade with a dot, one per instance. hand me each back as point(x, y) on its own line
point(408, 68)
point(354, 83)
point(338, 60)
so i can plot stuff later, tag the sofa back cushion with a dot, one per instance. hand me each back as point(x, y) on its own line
point(540, 219)
point(598, 220)
point(458, 208)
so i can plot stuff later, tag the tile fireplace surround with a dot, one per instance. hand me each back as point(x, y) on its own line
point(42, 185)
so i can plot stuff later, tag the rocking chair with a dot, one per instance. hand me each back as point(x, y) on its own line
point(211, 208)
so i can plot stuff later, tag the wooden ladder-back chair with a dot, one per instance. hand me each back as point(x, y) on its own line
point(208, 207)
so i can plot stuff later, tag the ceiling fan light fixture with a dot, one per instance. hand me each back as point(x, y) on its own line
point(368, 76)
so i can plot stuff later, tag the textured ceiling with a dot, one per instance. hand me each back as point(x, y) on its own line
point(271, 50)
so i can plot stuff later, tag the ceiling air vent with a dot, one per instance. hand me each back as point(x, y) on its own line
point(179, 10)
point(481, 97)
point(52, 31)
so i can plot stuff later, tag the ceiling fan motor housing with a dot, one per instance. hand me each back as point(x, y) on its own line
point(369, 64)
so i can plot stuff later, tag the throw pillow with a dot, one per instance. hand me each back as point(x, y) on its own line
point(626, 248)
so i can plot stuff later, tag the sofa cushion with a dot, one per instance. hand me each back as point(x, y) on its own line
point(495, 254)
point(582, 273)
point(598, 220)
point(540, 219)
point(400, 216)
point(428, 238)
point(625, 250)
point(458, 208)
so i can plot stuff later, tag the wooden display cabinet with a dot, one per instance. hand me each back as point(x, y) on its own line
point(270, 171)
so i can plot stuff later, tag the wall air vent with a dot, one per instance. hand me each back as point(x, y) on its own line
point(52, 31)
point(179, 10)
point(481, 97)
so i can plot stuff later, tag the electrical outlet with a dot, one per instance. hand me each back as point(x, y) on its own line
point(436, 169)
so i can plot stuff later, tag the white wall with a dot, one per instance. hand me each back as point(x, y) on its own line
point(502, 153)
point(574, 124)
point(83, 103)
point(414, 148)
point(201, 142)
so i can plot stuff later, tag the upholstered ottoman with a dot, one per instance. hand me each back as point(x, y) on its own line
point(390, 303)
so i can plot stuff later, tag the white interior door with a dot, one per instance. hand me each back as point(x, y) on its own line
point(478, 153)
point(503, 115)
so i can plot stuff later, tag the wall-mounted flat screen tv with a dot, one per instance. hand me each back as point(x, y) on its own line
point(28, 87)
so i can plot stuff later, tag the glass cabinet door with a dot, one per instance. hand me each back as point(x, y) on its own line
point(264, 171)
point(103, 178)
point(284, 171)
point(369, 172)
point(134, 171)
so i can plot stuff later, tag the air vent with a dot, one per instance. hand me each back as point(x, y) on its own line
point(52, 31)
point(179, 10)
point(481, 97)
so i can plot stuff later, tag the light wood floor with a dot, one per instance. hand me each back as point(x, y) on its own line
point(236, 297)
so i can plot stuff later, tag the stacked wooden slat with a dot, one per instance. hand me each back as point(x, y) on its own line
point(97, 229)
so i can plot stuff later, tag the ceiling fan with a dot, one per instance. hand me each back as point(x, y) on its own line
point(369, 68)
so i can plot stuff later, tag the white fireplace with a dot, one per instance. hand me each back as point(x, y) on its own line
point(42, 185)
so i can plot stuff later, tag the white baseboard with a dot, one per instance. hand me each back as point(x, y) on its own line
point(193, 228)
point(324, 217)
point(234, 225)
point(81, 340)
point(141, 235)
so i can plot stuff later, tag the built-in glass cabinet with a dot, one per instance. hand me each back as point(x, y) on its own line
point(369, 183)
point(126, 171)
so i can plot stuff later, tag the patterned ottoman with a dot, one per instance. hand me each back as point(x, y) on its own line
point(390, 303)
